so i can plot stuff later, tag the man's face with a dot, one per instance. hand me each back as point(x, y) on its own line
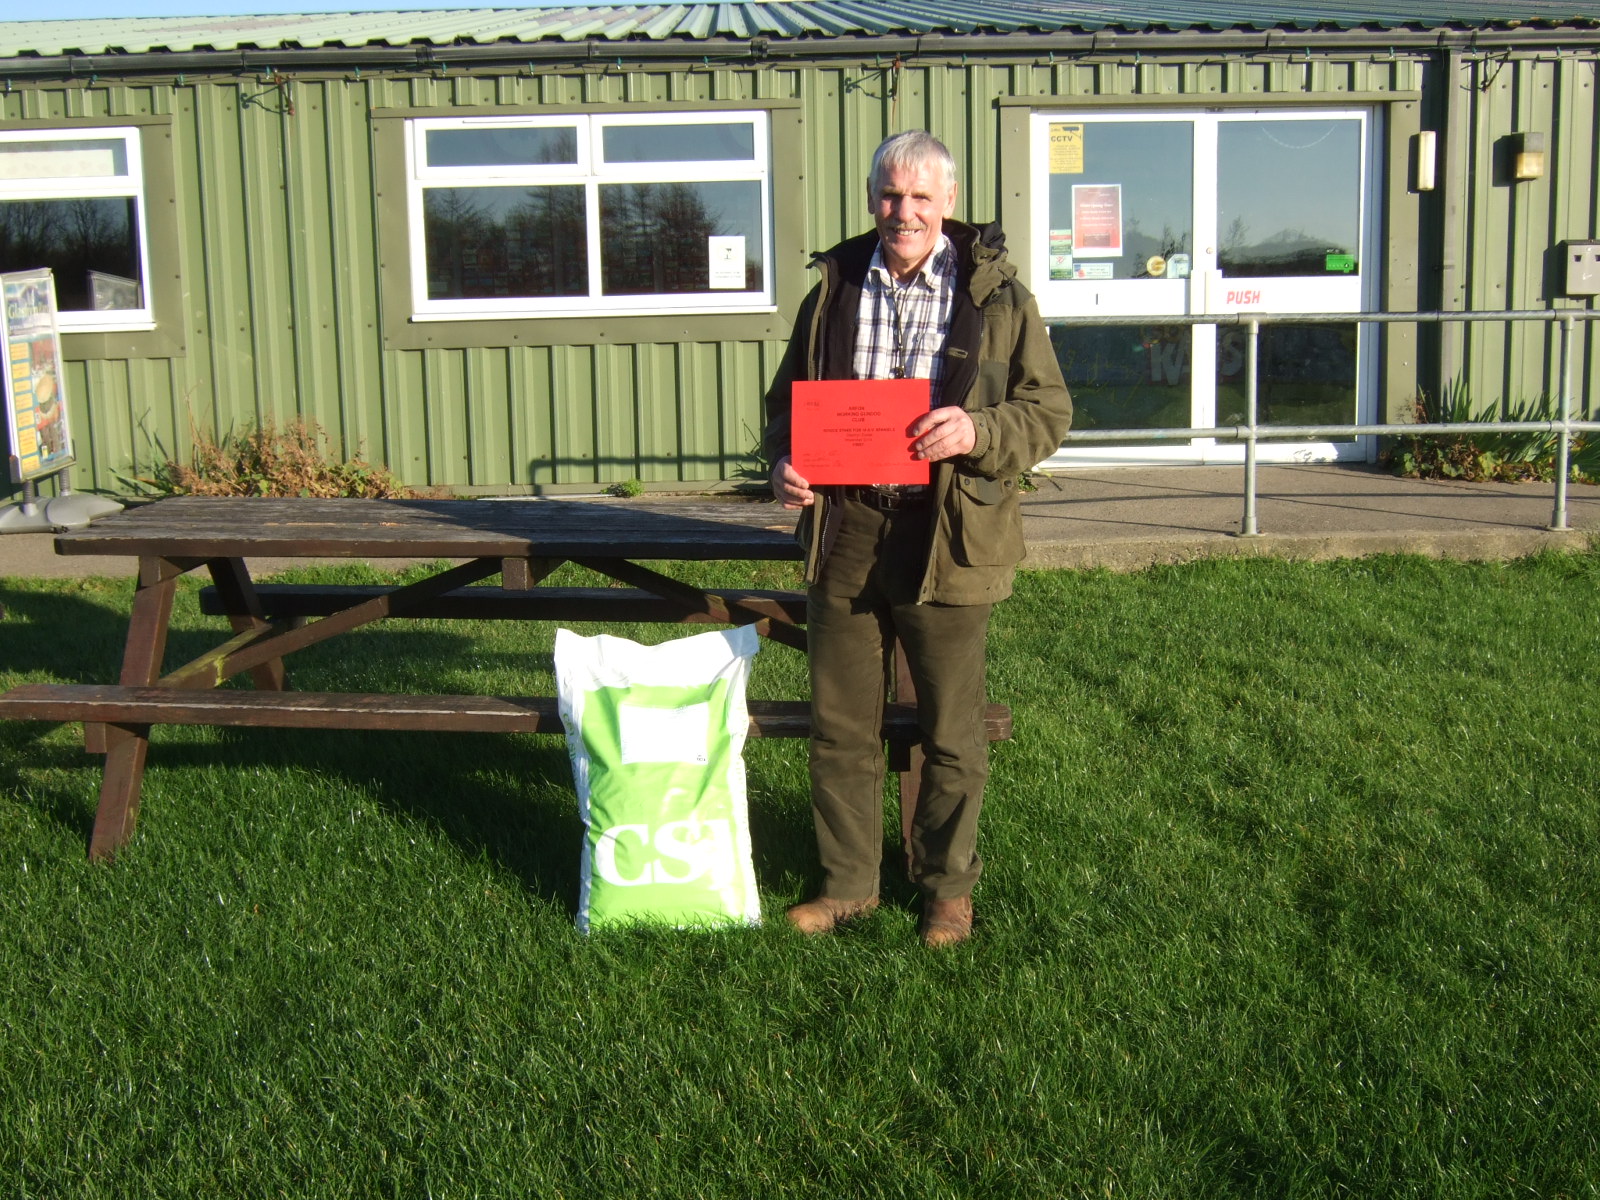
point(909, 205)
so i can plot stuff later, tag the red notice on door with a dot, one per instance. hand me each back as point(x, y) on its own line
point(1097, 220)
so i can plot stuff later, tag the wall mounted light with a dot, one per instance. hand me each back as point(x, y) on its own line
point(1427, 159)
point(1527, 155)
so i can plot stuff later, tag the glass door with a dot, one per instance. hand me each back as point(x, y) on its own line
point(1152, 216)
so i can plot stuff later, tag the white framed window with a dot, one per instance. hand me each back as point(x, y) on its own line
point(73, 200)
point(606, 213)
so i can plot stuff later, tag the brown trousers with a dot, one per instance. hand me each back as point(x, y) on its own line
point(863, 601)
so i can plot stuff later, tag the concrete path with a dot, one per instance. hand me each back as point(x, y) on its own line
point(1124, 519)
point(1131, 517)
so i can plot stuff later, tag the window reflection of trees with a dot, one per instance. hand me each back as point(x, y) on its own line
point(480, 246)
point(482, 243)
point(1141, 248)
point(1289, 197)
point(650, 231)
point(72, 237)
point(1288, 252)
point(657, 237)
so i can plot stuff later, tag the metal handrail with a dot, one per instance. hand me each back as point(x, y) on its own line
point(1251, 432)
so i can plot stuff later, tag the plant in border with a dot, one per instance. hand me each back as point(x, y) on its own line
point(295, 459)
point(1519, 457)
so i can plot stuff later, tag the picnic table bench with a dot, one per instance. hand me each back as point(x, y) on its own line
point(521, 542)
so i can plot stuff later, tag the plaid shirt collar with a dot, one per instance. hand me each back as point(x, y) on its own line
point(938, 269)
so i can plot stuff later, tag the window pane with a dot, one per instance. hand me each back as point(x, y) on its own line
point(1120, 206)
point(657, 236)
point(733, 141)
point(1306, 375)
point(70, 159)
point(79, 240)
point(502, 147)
point(1288, 197)
point(1125, 376)
point(503, 241)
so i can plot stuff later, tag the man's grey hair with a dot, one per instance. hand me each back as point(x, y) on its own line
point(913, 148)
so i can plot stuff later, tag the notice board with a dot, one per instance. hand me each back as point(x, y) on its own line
point(36, 408)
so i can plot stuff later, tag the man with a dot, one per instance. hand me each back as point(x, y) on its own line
point(923, 296)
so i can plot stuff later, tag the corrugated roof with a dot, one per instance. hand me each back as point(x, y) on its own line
point(776, 19)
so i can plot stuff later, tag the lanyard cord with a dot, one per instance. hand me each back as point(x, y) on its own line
point(903, 358)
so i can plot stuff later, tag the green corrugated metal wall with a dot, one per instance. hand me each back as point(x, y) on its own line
point(1511, 229)
point(280, 256)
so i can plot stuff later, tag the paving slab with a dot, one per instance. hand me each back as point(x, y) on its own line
point(1127, 518)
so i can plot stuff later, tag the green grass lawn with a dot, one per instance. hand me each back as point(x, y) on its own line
point(1291, 890)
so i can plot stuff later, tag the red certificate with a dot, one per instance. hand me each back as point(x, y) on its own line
point(854, 430)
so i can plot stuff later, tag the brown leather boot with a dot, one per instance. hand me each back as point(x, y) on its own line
point(946, 922)
point(823, 914)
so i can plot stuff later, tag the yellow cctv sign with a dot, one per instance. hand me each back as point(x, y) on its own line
point(1066, 149)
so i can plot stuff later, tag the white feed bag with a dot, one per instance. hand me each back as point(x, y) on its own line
point(656, 736)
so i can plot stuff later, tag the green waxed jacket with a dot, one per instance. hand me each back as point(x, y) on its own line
point(999, 366)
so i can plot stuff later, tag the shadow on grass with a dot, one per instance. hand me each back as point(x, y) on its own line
point(58, 796)
point(498, 796)
point(73, 638)
point(507, 797)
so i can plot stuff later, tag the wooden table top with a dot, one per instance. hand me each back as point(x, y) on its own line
point(242, 527)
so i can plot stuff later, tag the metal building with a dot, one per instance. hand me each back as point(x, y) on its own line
point(505, 251)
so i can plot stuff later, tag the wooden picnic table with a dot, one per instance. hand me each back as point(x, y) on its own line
point(520, 541)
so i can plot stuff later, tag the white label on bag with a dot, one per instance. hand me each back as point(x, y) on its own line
point(664, 735)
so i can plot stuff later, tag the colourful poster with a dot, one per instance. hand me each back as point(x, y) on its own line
point(1097, 220)
point(36, 409)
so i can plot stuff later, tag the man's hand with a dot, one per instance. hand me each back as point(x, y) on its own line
point(942, 433)
point(788, 485)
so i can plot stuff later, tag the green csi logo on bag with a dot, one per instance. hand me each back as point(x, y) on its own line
point(683, 852)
